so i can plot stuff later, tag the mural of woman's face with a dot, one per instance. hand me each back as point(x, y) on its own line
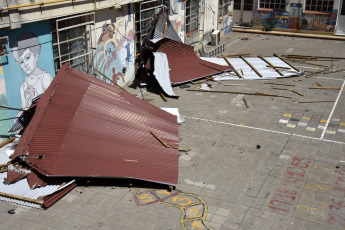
point(28, 61)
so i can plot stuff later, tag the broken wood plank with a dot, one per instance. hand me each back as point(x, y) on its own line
point(318, 84)
point(320, 87)
point(314, 101)
point(234, 55)
point(160, 140)
point(272, 83)
point(271, 65)
point(292, 90)
point(7, 141)
point(227, 61)
point(317, 72)
point(334, 71)
point(182, 149)
point(279, 67)
point(286, 62)
point(21, 198)
point(163, 97)
point(245, 102)
point(251, 66)
point(219, 91)
point(165, 30)
point(296, 55)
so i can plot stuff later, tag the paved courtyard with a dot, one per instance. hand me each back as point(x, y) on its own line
point(278, 164)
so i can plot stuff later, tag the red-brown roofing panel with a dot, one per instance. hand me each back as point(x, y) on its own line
point(184, 64)
point(84, 127)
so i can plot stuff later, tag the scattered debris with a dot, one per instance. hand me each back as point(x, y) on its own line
point(318, 84)
point(320, 87)
point(254, 68)
point(83, 114)
point(11, 211)
point(205, 86)
point(245, 102)
point(292, 90)
point(246, 93)
point(272, 83)
point(258, 146)
point(314, 101)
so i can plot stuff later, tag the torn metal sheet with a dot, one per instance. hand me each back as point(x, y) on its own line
point(84, 127)
point(162, 28)
point(8, 192)
point(175, 111)
point(260, 65)
point(161, 72)
point(184, 64)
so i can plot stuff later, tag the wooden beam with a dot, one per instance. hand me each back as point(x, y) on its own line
point(245, 102)
point(272, 83)
point(314, 101)
point(160, 140)
point(231, 92)
point(21, 198)
point(287, 62)
point(270, 65)
point(227, 61)
point(234, 55)
point(253, 68)
point(317, 72)
point(7, 141)
point(320, 87)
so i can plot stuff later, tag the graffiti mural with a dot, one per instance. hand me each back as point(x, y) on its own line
point(319, 22)
point(194, 209)
point(115, 49)
point(177, 20)
point(281, 20)
point(29, 69)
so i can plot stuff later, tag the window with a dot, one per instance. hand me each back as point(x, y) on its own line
point(247, 6)
point(223, 7)
point(4, 46)
point(192, 16)
point(72, 41)
point(144, 13)
point(319, 5)
point(272, 4)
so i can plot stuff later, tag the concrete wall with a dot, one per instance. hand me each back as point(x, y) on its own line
point(34, 13)
point(208, 12)
point(293, 18)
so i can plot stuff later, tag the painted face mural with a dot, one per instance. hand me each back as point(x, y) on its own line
point(26, 52)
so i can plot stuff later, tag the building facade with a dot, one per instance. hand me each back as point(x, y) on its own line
point(100, 37)
point(305, 16)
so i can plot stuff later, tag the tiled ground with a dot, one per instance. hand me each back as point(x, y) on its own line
point(278, 164)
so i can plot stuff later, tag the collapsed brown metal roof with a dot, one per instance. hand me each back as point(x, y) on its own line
point(184, 64)
point(83, 127)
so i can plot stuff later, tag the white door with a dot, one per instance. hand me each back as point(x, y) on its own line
point(340, 26)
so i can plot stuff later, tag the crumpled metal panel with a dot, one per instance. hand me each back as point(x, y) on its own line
point(184, 64)
point(23, 189)
point(84, 127)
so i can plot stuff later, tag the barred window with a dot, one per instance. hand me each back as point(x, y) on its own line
point(192, 16)
point(319, 5)
point(247, 6)
point(223, 7)
point(272, 4)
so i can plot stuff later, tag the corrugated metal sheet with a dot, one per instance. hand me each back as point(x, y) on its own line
point(84, 127)
point(184, 64)
point(259, 65)
point(22, 188)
